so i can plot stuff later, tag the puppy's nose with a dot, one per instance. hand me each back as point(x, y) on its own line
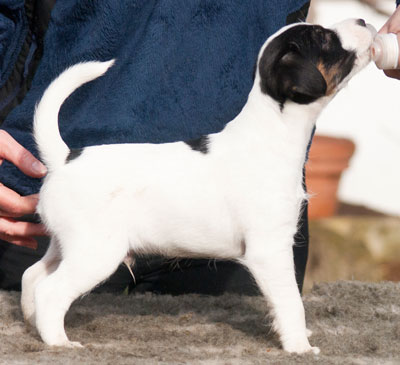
point(361, 22)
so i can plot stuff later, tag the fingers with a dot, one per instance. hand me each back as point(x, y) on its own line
point(11, 228)
point(394, 74)
point(15, 232)
point(20, 233)
point(20, 241)
point(14, 205)
point(12, 151)
point(393, 23)
point(385, 28)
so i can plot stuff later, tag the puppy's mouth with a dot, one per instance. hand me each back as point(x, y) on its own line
point(358, 36)
point(372, 29)
point(371, 49)
point(373, 33)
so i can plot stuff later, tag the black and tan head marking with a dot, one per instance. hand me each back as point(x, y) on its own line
point(304, 63)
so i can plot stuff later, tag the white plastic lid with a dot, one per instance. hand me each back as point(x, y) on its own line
point(385, 51)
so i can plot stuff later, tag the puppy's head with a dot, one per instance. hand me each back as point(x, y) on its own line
point(304, 62)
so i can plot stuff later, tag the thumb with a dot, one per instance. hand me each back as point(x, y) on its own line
point(31, 166)
point(12, 151)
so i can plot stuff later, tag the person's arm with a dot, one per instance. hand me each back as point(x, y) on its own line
point(393, 26)
point(12, 205)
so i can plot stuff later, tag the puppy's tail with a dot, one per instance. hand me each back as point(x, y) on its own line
point(52, 149)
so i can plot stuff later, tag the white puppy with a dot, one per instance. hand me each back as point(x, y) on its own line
point(235, 195)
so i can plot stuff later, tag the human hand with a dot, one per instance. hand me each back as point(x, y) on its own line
point(12, 205)
point(392, 26)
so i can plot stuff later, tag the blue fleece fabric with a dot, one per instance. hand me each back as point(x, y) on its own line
point(13, 28)
point(184, 68)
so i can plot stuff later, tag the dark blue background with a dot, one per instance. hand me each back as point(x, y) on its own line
point(184, 68)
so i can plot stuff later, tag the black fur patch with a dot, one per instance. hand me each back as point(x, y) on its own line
point(199, 144)
point(298, 15)
point(73, 154)
point(290, 66)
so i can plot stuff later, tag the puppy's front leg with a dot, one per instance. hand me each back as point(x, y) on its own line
point(273, 269)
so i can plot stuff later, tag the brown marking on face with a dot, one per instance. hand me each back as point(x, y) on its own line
point(330, 77)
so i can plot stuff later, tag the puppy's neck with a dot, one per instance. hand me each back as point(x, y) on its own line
point(264, 113)
point(262, 117)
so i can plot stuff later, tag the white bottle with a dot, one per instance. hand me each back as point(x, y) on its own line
point(385, 51)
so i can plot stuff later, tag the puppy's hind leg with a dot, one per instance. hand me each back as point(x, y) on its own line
point(33, 275)
point(273, 269)
point(84, 265)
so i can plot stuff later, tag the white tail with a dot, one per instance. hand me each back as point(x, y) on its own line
point(53, 150)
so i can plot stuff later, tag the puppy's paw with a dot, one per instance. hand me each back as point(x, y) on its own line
point(69, 345)
point(300, 347)
point(315, 350)
point(304, 350)
point(28, 311)
point(30, 320)
point(65, 343)
point(74, 344)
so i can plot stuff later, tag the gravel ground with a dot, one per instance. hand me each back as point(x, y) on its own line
point(352, 323)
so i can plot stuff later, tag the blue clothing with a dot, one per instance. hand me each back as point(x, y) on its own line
point(184, 68)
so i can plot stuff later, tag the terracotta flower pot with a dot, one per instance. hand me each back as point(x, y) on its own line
point(328, 158)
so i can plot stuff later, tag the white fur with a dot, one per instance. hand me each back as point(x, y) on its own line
point(240, 201)
point(53, 150)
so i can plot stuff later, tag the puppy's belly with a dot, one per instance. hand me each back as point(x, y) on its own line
point(187, 236)
point(185, 224)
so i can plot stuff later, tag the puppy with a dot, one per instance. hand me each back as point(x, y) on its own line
point(234, 195)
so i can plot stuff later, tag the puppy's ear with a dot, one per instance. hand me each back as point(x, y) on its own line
point(293, 77)
point(301, 81)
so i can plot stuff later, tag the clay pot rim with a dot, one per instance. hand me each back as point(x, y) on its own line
point(328, 148)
